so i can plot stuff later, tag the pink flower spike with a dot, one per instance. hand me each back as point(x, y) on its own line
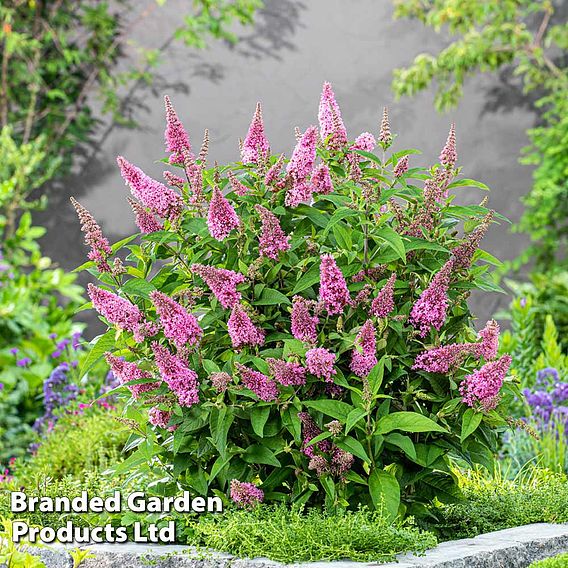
point(449, 155)
point(274, 172)
point(256, 146)
point(145, 221)
point(117, 310)
point(272, 239)
point(181, 380)
point(310, 430)
point(162, 200)
point(301, 192)
point(94, 238)
point(333, 287)
point(331, 124)
point(489, 345)
point(483, 385)
point(320, 362)
point(125, 372)
point(302, 161)
point(237, 186)
point(365, 141)
point(445, 358)
point(246, 494)
point(258, 383)
point(430, 309)
point(287, 373)
point(176, 137)
point(242, 330)
point(161, 418)
point(178, 324)
point(385, 134)
point(303, 324)
point(401, 167)
point(383, 304)
point(363, 357)
point(321, 180)
point(221, 217)
point(222, 282)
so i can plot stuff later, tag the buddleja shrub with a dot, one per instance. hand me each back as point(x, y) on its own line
point(298, 329)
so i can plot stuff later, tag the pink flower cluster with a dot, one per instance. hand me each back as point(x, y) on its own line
point(94, 238)
point(220, 381)
point(321, 180)
point(272, 239)
point(117, 311)
point(177, 375)
point(178, 324)
point(303, 323)
point(287, 373)
point(258, 383)
point(363, 357)
point(320, 362)
point(383, 304)
point(255, 146)
point(161, 418)
point(331, 124)
point(430, 309)
point(242, 329)
point(159, 198)
point(126, 371)
point(483, 385)
point(221, 217)
point(309, 431)
point(333, 288)
point(246, 494)
point(145, 220)
point(222, 282)
point(300, 167)
point(177, 140)
point(449, 155)
point(237, 185)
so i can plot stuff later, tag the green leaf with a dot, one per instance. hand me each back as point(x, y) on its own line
point(339, 214)
point(218, 466)
point(334, 408)
point(138, 287)
point(343, 237)
point(353, 417)
point(100, 345)
point(271, 297)
point(259, 416)
point(316, 216)
point(220, 421)
point(407, 422)
point(258, 454)
point(385, 492)
point(402, 442)
point(309, 278)
point(470, 421)
point(468, 183)
point(393, 239)
point(376, 375)
point(354, 447)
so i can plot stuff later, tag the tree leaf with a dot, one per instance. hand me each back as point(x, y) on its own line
point(407, 422)
point(466, 182)
point(354, 447)
point(258, 417)
point(309, 278)
point(402, 442)
point(138, 287)
point(393, 239)
point(385, 492)
point(258, 454)
point(100, 345)
point(334, 408)
point(470, 421)
point(271, 297)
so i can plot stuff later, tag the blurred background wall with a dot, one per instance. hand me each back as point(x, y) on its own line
point(282, 61)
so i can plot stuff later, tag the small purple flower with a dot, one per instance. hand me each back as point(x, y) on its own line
point(23, 362)
point(53, 336)
point(14, 350)
point(56, 354)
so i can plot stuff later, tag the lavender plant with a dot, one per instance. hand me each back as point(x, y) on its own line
point(298, 329)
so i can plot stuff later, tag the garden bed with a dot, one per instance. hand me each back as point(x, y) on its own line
point(514, 548)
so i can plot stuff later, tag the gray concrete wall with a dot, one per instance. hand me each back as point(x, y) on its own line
point(295, 46)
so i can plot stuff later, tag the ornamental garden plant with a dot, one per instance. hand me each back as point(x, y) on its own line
point(296, 329)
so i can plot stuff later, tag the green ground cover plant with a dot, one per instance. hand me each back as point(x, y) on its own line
point(298, 330)
point(494, 501)
point(559, 561)
point(287, 535)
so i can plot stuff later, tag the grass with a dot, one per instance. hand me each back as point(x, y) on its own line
point(290, 535)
